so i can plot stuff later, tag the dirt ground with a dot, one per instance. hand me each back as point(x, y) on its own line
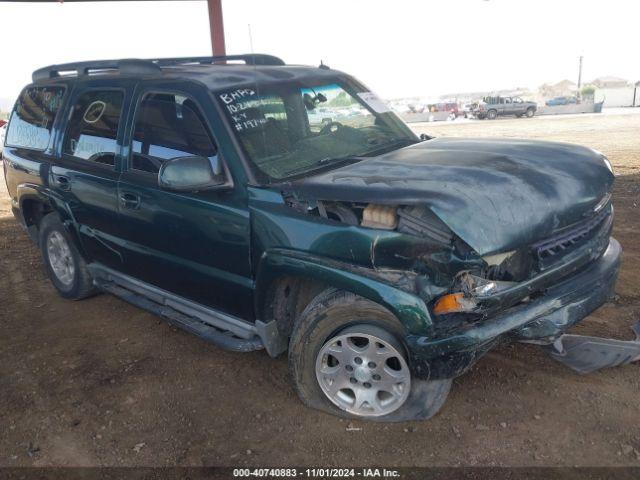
point(100, 382)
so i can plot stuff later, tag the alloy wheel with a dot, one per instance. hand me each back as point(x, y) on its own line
point(363, 372)
point(60, 258)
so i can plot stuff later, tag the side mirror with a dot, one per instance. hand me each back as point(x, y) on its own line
point(424, 137)
point(190, 174)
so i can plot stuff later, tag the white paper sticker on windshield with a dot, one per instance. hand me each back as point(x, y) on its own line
point(376, 103)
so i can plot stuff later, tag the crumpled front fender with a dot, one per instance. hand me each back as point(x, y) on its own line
point(368, 283)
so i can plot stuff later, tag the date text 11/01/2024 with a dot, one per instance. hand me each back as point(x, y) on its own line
point(316, 472)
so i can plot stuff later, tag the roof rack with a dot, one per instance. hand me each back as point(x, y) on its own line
point(249, 59)
point(125, 66)
point(146, 67)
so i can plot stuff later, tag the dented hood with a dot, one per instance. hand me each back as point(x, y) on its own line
point(495, 194)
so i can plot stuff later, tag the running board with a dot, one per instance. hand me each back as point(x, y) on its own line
point(216, 327)
point(586, 354)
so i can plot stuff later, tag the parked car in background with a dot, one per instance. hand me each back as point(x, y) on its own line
point(450, 107)
point(492, 107)
point(468, 109)
point(561, 101)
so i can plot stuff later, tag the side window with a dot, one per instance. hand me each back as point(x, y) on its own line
point(168, 126)
point(33, 116)
point(93, 127)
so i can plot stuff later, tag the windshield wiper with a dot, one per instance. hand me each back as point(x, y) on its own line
point(390, 146)
point(330, 160)
point(323, 162)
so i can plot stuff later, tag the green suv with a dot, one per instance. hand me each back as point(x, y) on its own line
point(260, 205)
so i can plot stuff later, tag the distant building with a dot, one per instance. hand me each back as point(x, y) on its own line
point(609, 82)
point(564, 88)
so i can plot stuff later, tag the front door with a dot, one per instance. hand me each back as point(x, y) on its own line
point(518, 106)
point(508, 106)
point(193, 244)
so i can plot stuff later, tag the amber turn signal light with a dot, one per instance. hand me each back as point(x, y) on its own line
point(449, 304)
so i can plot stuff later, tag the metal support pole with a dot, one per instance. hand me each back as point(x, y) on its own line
point(216, 27)
point(580, 78)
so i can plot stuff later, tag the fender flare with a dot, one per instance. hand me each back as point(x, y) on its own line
point(30, 191)
point(410, 309)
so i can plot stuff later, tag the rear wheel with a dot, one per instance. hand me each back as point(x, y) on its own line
point(347, 358)
point(65, 266)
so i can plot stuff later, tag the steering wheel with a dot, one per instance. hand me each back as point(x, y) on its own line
point(331, 127)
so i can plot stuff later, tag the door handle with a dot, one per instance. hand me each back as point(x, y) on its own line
point(62, 181)
point(130, 200)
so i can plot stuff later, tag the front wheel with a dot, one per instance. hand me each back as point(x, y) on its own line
point(492, 114)
point(530, 112)
point(347, 358)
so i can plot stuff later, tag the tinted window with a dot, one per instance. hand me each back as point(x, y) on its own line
point(168, 126)
point(33, 116)
point(93, 128)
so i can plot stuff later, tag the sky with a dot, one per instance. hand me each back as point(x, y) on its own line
point(398, 48)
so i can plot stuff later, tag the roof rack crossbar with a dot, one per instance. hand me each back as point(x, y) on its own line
point(123, 66)
point(146, 67)
point(249, 59)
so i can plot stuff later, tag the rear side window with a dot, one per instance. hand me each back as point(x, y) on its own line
point(33, 116)
point(168, 126)
point(93, 127)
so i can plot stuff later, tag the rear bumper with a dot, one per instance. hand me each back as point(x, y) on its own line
point(545, 318)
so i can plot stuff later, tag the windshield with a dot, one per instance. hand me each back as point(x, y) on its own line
point(291, 129)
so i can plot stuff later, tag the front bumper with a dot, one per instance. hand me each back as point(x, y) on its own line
point(545, 318)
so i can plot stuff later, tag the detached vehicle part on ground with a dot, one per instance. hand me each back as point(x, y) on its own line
point(494, 107)
point(386, 264)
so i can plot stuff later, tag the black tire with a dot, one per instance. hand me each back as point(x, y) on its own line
point(492, 114)
point(331, 312)
point(530, 112)
point(81, 285)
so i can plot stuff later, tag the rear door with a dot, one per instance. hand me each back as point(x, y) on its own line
point(193, 244)
point(86, 174)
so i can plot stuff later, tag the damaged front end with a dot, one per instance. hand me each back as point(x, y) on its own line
point(533, 293)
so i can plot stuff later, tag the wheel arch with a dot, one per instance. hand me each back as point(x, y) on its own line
point(35, 202)
point(309, 275)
